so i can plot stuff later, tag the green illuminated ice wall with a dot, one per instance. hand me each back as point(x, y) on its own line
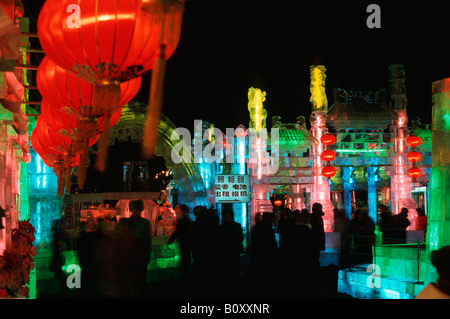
point(438, 234)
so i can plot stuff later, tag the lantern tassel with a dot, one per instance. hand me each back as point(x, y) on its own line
point(150, 136)
point(106, 102)
point(60, 190)
point(100, 163)
point(83, 164)
point(68, 178)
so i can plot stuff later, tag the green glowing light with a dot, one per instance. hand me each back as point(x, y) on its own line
point(358, 151)
point(438, 234)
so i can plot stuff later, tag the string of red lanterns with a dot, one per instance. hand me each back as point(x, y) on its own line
point(66, 107)
point(413, 157)
point(110, 44)
point(328, 155)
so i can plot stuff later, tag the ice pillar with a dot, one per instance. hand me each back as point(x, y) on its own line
point(320, 190)
point(438, 233)
point(400, 182)
point(347, 182)
point(257, 152)
point(372, 192)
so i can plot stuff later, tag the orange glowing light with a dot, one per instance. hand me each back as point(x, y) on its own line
point(329, 171)
point(413, 157)
point(278, 202)
point(328, 155)
point(413, 141)
point(414, 172)
point(327, 139)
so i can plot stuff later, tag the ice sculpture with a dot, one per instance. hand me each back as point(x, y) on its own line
point(438, 234)
point(318, 98)
point(400, 182)
point(258, 113)
point(320, 190)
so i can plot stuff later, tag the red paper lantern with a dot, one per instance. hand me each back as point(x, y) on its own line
point(61, 88)
point(107, 43)
point(58, 119)
point(414, 157)
point(328, 155)
point(328, 171)
point(57, 151)
point(278, 202)
point(413, 141)
point(414, 172)
point(112, 40)
point(327, 139)
point(75, 97)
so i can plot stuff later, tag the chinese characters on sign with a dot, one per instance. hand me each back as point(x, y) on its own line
point(232, 189)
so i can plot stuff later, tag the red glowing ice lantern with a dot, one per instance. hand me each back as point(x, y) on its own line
point(327, 139)
point(413, 141)
point(414, 156)
point(328, 155)
point(414, 172)
point(329, 171)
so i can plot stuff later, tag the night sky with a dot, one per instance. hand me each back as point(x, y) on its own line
point(228, 46)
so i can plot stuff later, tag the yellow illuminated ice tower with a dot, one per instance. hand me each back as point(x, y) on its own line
point(319, 102)
point(258, 113)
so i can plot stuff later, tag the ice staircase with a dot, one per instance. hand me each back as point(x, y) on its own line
point(397, 272)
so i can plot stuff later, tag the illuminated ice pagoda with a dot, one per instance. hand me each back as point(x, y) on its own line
point(371, 146)
point(370, 129)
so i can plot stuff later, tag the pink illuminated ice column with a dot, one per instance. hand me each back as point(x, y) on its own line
point(260, 201)
point(400, 182)
point(320, 188)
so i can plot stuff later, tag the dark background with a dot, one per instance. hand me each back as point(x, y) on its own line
point(228, 46)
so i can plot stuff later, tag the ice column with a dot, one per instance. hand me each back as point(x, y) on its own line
point(438, 233)
point(257, 152)
point(347, 177)
point(372, 192)
point(400, 182)
point(320, 192)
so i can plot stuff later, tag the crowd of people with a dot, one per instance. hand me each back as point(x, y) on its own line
point(295, 260)
point(114, 264)
point(209, 250)
point(114, 256)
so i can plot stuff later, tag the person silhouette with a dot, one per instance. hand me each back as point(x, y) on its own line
point(231, 243)
point(386, 224)
point(316, 220)
point(440, 259)
point(264, 255)
point(133, 252)
point(401, 222)
point(182, 233)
